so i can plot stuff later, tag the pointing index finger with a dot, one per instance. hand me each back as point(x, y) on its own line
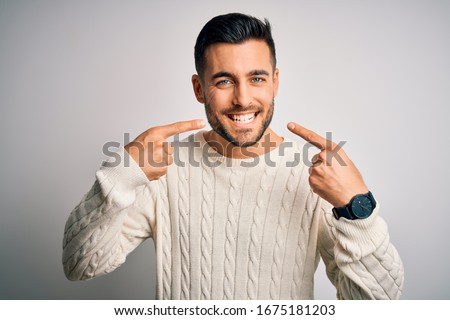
point(180, 127)
point(310, 136)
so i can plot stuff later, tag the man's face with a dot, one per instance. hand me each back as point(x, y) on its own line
point(238, 90)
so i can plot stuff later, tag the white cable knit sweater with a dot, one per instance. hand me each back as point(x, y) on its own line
point(229, 229)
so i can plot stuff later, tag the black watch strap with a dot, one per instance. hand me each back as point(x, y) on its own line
point(343, 212)
point(346, 211)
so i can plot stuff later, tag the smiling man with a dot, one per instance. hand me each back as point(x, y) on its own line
point(227, 223)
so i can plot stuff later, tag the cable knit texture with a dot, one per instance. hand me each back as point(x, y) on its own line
point(229, 229)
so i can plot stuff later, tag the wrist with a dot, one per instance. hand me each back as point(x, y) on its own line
point(346, 198)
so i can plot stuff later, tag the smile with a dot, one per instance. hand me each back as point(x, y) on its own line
point(242, 119)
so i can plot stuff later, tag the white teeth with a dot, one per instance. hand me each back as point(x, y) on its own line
point(243, 118)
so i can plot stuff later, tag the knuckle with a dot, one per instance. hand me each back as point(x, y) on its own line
point(165, 145)
point(152, 131)
point(321, 146)
point(312, 182)
point(178, 126)
point(158, 143)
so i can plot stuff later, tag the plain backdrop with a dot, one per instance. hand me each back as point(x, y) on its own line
point(77, 74)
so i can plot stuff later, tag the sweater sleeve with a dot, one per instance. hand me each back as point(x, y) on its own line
point(360, 260)
point(112, 219)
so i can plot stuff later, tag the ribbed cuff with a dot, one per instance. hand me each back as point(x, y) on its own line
point(360, 237)
point(122, 171)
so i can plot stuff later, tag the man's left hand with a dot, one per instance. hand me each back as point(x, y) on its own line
point(333, 176)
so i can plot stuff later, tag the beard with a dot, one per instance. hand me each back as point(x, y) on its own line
point(244, 137)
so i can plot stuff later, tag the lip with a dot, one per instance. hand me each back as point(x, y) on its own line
point(243, 120)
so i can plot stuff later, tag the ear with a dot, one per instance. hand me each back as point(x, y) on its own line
point(275, 82)
point(198, 88)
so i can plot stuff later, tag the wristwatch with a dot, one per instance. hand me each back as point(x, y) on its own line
point(360, 207)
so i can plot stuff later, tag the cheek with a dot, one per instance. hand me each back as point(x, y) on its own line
point(265, 96)
point(219, 98)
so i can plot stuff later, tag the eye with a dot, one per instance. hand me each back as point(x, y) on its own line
point(258, 79)
point(223, 82)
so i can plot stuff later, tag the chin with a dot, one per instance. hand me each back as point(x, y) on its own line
point(242, 139)
point(243, 144)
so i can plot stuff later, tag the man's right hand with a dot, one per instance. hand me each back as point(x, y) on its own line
point(152, 152)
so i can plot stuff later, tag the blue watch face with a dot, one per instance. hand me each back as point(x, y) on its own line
point(362, 207)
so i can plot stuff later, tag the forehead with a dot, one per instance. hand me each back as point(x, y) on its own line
point(238, 58)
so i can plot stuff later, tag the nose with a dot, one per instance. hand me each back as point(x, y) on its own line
point(242, 95)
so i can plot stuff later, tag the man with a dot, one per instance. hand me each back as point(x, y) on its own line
point(233, 213)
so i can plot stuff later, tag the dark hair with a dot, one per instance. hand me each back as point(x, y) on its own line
point(232, 28)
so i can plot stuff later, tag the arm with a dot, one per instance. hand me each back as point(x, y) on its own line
point(112, 219)
point(360, 260)
point(119, 211)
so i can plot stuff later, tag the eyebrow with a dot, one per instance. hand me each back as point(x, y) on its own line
point(222, 74)
point(225, 74)
point(259, 73)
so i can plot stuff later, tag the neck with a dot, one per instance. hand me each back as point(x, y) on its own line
point(269, 141)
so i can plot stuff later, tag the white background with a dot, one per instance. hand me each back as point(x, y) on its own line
point(77, 74)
